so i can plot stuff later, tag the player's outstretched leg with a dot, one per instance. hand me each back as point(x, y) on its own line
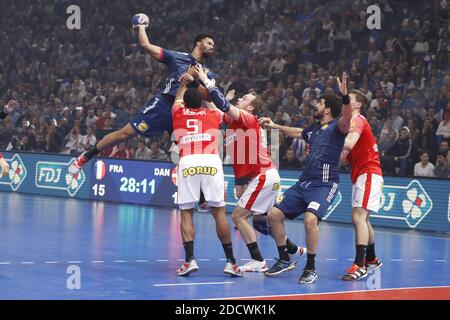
point(187, 233)
point(109, 140)
point(312, 239)
point(284, 263)
point(223, 233)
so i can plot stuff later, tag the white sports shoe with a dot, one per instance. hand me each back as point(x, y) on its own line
point(233, 269)
point(187, 268)
point(300, 251)
point(255, 266)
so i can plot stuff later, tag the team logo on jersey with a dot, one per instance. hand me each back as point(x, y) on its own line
point(276, 186)
point(193, 171)
point(142, 126)
point(279, 199)
point(325, 126)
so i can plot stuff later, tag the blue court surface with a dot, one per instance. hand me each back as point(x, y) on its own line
point(50, 247)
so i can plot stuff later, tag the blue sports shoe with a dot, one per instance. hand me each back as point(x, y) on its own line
point(308, 276)
point(280, 266)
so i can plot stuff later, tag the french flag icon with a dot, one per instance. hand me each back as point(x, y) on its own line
point(100, 170)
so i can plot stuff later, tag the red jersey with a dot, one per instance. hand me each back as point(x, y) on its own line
point(364, 157)
point(244, 143)
point(196, 130)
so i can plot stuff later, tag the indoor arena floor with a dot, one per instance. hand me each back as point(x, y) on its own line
point(121, 251)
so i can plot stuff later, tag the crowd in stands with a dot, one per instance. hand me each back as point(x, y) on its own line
point(76, 86)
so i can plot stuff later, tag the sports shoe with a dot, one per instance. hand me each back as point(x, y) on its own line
point(78, 164)
point(355, 272)
point(187, 268)
point(233, 269)
point(308, 276)
point(255, 266)
point(374, 264)
point(300, 251)
point(280, 266)
point(203, 207)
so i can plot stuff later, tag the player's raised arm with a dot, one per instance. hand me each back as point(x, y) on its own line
point(185, 79)
point(289, 131)
point(346, 117)
point(215, 94)
point(153, 50)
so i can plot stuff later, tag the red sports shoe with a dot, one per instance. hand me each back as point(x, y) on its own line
point(78, 164)
point(355, 272)
point(374, 264)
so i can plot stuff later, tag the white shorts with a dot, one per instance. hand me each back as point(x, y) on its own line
point(261, 192)
point(200, 172)
point(366, 192)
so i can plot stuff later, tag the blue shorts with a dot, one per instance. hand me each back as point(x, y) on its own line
point(155, 117)
point(314, 197)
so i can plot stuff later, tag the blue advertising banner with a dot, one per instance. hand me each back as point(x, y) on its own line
point(410, 203)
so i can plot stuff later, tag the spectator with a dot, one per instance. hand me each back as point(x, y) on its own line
point(388, 137)
point(72, 144)
point(166, 143)
point(426, 139)
point(142, 152)
point(107, 129)
point(120, 151)
point(91, 118)
point(442, 169)
point(444, 148)
point(89, 140)
point(399, 158)
point(443, 131)
point(312, 87)
point(290, 161)
point(424, 168)
point(156, 153)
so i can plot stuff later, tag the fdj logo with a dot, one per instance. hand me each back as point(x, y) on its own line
point(411, 204)
point(55, 175)
point(16, 175)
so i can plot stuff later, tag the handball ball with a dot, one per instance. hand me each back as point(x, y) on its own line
point(140, 19)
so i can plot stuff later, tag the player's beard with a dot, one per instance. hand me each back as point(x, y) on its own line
point(319, 115)
point(207, 53)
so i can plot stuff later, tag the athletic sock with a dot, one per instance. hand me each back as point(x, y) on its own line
point(360, 254)
point(254, 251)
point(370, 254)
point(189, 250)
point(89, 154)
point(310, 262)
point(228, 248)
point(283, 252)
point(292, 247)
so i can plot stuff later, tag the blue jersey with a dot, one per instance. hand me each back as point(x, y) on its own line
point(178, 63)
point(156, 114)
point(325, 144)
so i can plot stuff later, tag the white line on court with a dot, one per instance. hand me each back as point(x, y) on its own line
point(191, 284)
